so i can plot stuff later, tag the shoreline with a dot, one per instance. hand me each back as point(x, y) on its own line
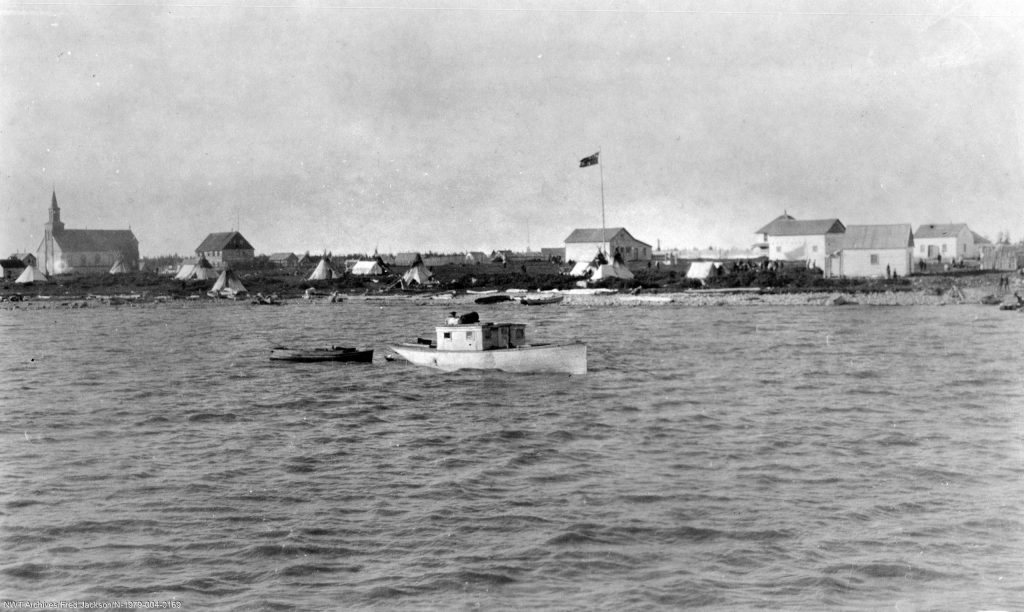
point(687, 299)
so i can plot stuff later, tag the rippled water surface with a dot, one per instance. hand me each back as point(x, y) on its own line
point(727, 458)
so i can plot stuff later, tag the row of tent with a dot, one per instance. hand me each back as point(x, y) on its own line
point(417, 274)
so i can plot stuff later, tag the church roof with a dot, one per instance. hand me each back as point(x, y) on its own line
point(96, 240)
point(224, 241)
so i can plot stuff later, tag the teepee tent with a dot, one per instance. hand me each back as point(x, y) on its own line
point(323, 271)
point(31, 274)
point(418, 273)
point(616, 269)
point(119, 267)
point(229, 283)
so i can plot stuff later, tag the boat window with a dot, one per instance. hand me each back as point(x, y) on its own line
point(447, 335)
point(469, 335)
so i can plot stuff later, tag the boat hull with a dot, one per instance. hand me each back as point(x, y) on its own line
point(558, 358)
point(324, 354)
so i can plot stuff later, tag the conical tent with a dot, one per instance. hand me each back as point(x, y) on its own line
point(616, 269)
point(119, 267)
point(230, 282)
point(31, 274)
point(418, 273)
point(323, 271)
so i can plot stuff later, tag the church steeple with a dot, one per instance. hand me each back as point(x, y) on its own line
point(54, 225)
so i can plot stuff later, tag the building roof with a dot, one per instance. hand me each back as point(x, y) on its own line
point(282, 256)
point(224, 241)
point(96, 240)
point(788, 226)
point(939, 230)
point(11, 263)
point(979, 239)
point(898, 236)
point(767, 229)
point(585, 235)
point(407, 258)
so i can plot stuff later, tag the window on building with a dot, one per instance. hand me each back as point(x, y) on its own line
point(923, 248)
point(814, 248)
point(96, 259)
point(778, 248)
point(874, 259)
point(469, 335)
point(447, 335)
point(944, 247)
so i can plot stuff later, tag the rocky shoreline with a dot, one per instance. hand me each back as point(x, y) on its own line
point(692, 298)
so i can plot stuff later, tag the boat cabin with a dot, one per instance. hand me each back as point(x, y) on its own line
point(480, 336)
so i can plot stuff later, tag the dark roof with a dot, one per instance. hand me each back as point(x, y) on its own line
point(281, 256)
point(792, 227)
point(97, 240)
point(979, 239)
point(599, 235)
point(938, 230)
point(767, 229)
point(897, 236)
point(224, 241)
point(11, 262)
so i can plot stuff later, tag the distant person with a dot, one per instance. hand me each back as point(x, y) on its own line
point(453, 319)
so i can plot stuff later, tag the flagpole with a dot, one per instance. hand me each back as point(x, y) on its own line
point(600, 166)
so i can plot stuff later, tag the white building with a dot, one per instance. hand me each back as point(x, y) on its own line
point(876, 251)
point(945, 241)
point(813, 242)
point(583, 245)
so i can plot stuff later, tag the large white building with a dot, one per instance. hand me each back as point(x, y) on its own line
point(584, 244)
point(813, 242)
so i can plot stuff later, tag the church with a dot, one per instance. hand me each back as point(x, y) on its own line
point(64, 251)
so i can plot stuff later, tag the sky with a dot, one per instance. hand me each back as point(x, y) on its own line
point(455, 126)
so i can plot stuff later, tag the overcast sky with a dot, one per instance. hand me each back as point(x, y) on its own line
point(313, 126)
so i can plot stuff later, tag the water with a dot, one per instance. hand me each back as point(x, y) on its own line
point(726, 458)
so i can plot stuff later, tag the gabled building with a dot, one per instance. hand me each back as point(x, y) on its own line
point(583, 245)
point(284, 260)
point(83, 251)
point(226, 249)
point(28, 259)
point(813, 241)
point(950, 241)
point(11, 268)
point(876, 251)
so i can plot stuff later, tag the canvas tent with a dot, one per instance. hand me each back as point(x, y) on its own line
point(228, 283)
point(31, 274)
point(323, 271)
point(370, 267)
point(201, 270)
point(702, 270)
point(580, 269)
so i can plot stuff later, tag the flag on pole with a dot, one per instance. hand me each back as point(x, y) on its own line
point(589, 161)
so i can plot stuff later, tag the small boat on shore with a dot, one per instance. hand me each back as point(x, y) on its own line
point(493, 299)
point(330, 353)
point(473, 345)
point(541, 300)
